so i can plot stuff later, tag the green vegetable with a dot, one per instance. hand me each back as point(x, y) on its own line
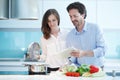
point(83, 68)
point(69, 68)
point(72, 68)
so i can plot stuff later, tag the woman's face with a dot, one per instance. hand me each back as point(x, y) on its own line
point(52, 21)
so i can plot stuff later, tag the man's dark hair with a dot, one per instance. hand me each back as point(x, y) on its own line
point(79, 6)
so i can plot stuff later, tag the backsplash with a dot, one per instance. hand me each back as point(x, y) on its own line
point(113, 43)
point(13, 44)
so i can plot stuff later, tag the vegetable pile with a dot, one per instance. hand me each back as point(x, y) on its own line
point(83, 70)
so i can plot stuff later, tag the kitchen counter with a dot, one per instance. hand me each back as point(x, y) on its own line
point(53, 76)
point(19, 66)
point(16, 66)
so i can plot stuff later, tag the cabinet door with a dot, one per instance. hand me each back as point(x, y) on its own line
point(4, 9)
point(24, 9)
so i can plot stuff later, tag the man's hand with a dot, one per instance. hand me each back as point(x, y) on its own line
point(77, 53)
point(81, 53)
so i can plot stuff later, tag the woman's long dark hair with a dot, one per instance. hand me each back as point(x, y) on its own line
point(45, 27)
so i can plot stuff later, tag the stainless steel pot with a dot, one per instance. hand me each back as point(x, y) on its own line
point(38, 69)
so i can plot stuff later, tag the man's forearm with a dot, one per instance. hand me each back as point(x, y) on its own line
point(86, 53)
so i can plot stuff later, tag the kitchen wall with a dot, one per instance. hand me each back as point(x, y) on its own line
point(14, 43)
point(16, 35)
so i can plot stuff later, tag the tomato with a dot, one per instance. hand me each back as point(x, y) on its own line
point(73, 74)
point(68, 74)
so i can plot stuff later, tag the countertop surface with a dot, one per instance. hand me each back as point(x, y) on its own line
point(19, 62)
point(53, 76)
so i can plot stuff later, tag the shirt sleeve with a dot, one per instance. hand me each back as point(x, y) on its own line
point(100, 44)
point(43, 48)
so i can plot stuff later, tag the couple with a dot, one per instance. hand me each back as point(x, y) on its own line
point(85, 37)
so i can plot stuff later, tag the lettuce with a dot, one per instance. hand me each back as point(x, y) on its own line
point(83, 69)
point(69, 68)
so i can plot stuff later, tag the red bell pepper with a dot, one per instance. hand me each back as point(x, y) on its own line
point(93, 69)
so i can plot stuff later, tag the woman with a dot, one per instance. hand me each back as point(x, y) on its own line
point(53, 40)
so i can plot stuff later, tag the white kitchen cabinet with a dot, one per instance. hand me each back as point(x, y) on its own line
point(25, 9)
point(23, 14)
point(4, 9)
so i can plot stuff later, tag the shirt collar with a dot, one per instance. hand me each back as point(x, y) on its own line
point(59, 33)
point(84, 29)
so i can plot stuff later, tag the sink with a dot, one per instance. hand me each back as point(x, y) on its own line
point(113, 74)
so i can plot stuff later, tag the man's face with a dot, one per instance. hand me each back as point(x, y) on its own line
point(76, 17)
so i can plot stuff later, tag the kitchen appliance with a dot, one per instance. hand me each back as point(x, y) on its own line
point(38, 69)
point(33, 52)
point(32, 60)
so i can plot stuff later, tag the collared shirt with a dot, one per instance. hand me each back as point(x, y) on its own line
point(51, 47)
point(90, 38)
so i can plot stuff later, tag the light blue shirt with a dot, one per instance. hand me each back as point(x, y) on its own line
point(91, 38)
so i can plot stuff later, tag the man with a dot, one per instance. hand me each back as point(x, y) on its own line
point(85, 37)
